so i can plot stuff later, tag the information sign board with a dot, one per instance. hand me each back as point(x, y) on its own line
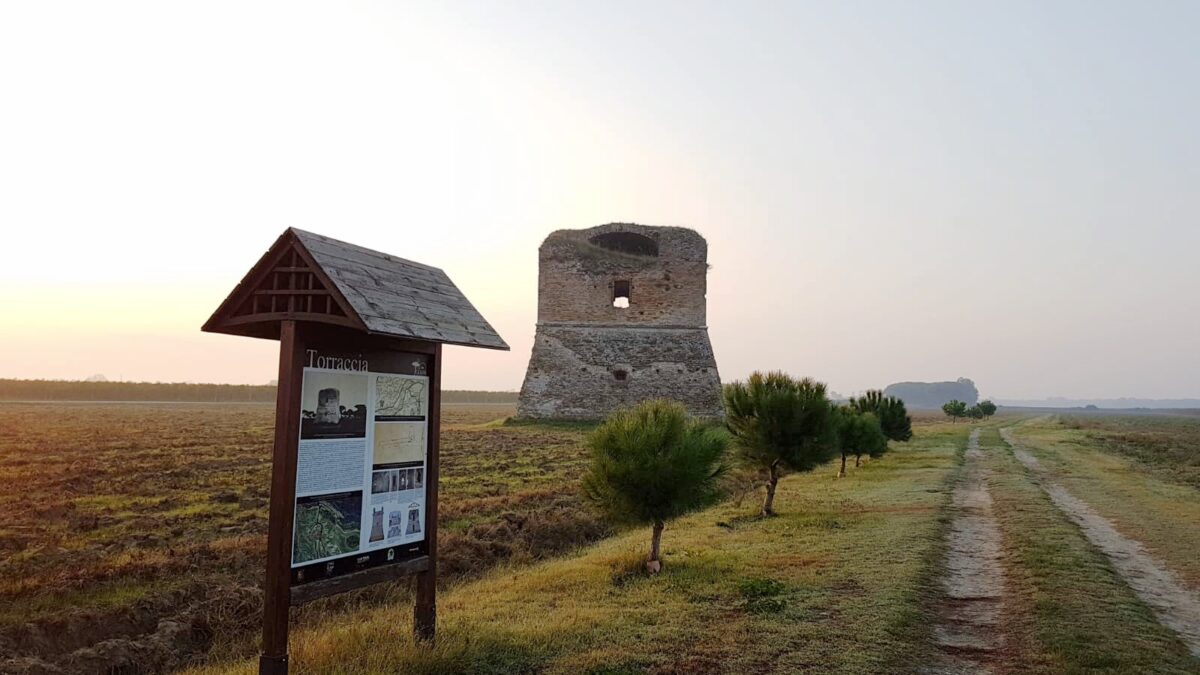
point(362, 462)
point(354, 468)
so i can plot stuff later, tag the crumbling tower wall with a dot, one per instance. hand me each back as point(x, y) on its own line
point(621, 319)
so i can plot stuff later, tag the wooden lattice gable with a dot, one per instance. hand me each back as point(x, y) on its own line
point(286, 283)
point(309, 277)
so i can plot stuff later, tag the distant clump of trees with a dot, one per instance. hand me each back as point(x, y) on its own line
point(933, 395)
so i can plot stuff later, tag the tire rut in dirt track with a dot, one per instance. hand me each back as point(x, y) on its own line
point(968, 633)
point(1176, 606)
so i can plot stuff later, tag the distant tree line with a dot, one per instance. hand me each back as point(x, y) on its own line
point(183, 392)
point(471, 396)
point(66, 390)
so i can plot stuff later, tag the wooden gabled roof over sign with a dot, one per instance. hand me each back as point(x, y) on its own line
point(309, 277)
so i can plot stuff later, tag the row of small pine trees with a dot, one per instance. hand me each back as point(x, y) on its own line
point(955, 409)
point(653, 463)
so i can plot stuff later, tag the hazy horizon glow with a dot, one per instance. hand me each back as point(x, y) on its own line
point(1004, 192)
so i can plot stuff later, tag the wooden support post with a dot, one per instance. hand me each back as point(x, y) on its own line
point(425, 612)
point(277, 601)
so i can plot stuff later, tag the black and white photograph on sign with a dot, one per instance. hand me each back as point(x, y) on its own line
point(414, 519)
point(327, 526)
point(333, 405)
point(395, 524)
point(381, 482)
point(400, 398)
point(398, 443)
point(376, 524)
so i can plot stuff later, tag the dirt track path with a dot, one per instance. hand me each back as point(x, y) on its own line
point(968, 633)
point(1176, 607)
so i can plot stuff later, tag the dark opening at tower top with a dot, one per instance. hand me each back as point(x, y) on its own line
point(627, 242)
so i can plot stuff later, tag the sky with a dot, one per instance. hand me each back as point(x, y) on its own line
point(1006, 191)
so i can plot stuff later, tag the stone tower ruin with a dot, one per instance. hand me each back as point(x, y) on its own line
point(329, 406)
point(621, 319)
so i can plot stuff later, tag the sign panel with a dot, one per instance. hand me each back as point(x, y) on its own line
point(362, 463)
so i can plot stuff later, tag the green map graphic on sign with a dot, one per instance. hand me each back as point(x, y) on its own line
point(400, 397)
point(326, 526)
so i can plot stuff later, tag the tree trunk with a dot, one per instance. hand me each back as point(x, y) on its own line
point(655, 563)
point(857, 461)
point(842, 471)
point(768, 508)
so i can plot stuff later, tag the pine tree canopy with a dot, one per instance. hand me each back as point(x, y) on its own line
point(775, 418)
point(859, 433)
point(892, 414)
point(652, 463)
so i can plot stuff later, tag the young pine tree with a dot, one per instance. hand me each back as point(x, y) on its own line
point(890, 411)
point(652, 463)
point(955, 409)
point(779, 424)
point(988, 408)
point(857, 433)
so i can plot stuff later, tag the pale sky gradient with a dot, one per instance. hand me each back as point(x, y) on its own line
point(1008, 191)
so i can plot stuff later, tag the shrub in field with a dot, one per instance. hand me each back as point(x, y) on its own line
point(652, 463)
point(779, 424)
point(890, 411)
point(857, 433)
point(987, 408)
point(955, 409)
point(975, 412)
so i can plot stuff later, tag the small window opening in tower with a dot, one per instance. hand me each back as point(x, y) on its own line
point(621, 294)
point(620, 374)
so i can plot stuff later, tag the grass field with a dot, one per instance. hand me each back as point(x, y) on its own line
point(1137, 471)
point(1167, 445)
point(835, 583)
point(1069, 612)
point(128, 515)
point(134, 534)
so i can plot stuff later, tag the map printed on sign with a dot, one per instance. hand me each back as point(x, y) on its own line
point(400, 397)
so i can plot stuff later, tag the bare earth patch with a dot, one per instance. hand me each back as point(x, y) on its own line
point(968, 633)
point(1176, 606)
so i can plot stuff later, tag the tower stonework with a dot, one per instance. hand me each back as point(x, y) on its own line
point(329, 406)
point(621, 319)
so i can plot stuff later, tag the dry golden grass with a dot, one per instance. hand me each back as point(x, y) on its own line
point(1068, 610)
point(126, 515)
point(118, 516)
point(1138, 472)
point(836, 583)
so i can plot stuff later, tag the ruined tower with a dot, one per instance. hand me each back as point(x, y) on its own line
point(329, 406)
point(621, 319)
